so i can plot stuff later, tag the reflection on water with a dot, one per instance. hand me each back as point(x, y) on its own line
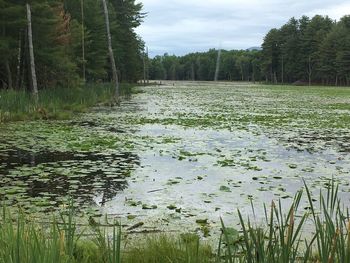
point(82, 176)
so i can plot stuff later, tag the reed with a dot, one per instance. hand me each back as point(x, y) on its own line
point(56, 103)
point(319, 234)
point(283, 238)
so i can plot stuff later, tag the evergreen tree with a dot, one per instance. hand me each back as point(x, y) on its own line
point(58, 33)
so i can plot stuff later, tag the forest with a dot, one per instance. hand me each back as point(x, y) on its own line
point(69, 40)
point(306, 51)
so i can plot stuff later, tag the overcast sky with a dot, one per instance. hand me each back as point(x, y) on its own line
point(183, 26)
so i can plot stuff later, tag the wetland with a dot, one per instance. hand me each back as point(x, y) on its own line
point(176, 157)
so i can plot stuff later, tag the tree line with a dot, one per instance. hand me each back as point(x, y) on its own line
point(305, 51)
point(70, 42)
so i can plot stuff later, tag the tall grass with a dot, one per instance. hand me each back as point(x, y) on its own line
point(159, 249)
point(55, 103)
point(62, 241)
point(318, 235)
point(24, 241)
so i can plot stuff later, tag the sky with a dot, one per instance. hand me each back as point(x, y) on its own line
point(183, 26)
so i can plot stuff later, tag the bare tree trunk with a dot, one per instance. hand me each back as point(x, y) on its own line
point(310, 71)
point(83, 38)
point(9, 74)
point(31, 53)
point(7, 66)
point(271, 75)
point(147, 66)
point(144, 68)
point(19, 61)
point(282, 77)
point(217, 66)
point(192, 72)
point(110, 50)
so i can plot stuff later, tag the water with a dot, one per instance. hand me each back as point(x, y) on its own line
point(182, 152)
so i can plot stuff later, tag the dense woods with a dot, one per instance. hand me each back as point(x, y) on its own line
point(304, 50)
point(69, 40)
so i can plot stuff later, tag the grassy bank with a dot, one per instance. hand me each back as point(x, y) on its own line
point(63, 241)
point(311, 235)
point(55, 103)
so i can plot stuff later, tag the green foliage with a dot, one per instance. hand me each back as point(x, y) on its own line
point(61, 241)
point(95, 38)
point(303, 50)
point(129, 47)
point(284, 237)
point(58, 28)
point(55, 103)
point(287, 237)
point(24, 241)
point(125, 16)
point(157, 249)
point(235, 65)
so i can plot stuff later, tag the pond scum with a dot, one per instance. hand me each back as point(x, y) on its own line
point(319, 233)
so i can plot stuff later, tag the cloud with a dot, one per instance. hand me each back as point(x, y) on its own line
point(335, 12)
point(183, 26)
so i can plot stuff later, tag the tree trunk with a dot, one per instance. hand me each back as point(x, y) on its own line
point(9, 74)
point(31, 53)
point(192, 73)
point(19, 62)
point(7, 66)
point(83, 38)
point(110, 51)
point(147, 66)
point(310, 71)
point(144, 68)
point(217, 66)
point(282, 77)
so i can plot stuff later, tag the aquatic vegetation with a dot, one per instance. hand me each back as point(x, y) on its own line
point(155, 151)
point(317, 234)
point(64, 240)
point(55, 103)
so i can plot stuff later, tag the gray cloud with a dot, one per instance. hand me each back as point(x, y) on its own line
point(183, 26)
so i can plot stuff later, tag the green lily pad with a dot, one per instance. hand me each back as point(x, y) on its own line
point(224, 188)
point(171, 207)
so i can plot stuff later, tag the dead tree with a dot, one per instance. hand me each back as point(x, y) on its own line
point(110, 51)
point(217, 66)
point(31, 53)
point(83, 38)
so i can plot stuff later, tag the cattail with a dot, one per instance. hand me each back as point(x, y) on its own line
point(348, 245)
point(291, 226)
point(62, 243)
point(334, 245)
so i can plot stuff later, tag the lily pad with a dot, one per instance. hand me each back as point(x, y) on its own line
point(224, 188)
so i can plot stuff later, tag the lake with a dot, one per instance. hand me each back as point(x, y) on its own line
point(181, 155)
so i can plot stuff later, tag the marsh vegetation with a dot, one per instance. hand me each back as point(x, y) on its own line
point(176, 158)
